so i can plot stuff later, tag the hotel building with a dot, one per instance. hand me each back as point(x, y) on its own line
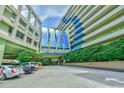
point(20, 30)
point(89, 25)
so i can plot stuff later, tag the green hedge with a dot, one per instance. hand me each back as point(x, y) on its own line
point(109, 52)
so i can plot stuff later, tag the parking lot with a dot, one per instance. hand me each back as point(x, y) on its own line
point(66, 77)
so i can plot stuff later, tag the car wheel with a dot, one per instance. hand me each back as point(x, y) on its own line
point(3, 77)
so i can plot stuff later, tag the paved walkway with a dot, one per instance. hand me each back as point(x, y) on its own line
point(66, 77)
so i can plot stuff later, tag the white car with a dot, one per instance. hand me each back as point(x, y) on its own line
point(9, 72)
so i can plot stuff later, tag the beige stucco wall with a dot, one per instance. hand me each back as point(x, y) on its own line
point(114, 64)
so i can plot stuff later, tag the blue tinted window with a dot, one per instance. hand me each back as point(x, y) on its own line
point(73, 18)
point(76, 48)
point(52, 38)
point(78, 25)
point(76, 21)
point(44, 40)
point(64, 20)
point(79, 30)
point(65, 40)
point(59, 39)
point(80, 36)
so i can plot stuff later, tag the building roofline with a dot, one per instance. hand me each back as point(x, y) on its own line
point(64, 16)
point(34, 12)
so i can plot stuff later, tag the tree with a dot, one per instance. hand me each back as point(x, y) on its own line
point(26, 56)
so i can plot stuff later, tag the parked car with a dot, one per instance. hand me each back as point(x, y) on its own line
point(19, 68)
point(27, 69)
point(34, 65)
point(9, 72)
point(0, 72)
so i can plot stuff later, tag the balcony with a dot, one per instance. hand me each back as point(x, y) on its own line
point(77, 42)
point(105, 28)
point(9, 14)
point(5, 29)
point(106, 38)
point(19, 40)
point(22, 25)
point(19, 37)
point(106, 18)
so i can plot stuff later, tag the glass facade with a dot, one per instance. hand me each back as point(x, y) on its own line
point(44, 40)
point(32, 20)
point(65, 40)
point(37, 26)
point(52, 39)
point(59, 39)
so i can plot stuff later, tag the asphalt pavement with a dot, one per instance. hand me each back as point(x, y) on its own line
point(67, 77)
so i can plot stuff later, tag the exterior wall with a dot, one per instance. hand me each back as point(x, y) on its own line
point(7, 21)
point(114, 65)
point(16, 29)
point(93, 24)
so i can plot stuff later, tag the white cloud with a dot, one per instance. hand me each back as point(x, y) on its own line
point(54, 11)
point(50, 11)
point(44, 29)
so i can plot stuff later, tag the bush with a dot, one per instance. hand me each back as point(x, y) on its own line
point(25, 56)
point(109, 52)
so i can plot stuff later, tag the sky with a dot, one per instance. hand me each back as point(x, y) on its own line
point(50, 15)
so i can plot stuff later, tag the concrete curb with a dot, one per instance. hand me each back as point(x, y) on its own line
point(98, 68)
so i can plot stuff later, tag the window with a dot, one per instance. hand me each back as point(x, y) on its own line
point(25, 11)
point(65, 40)
point(19, 35)
point(44, 37)
point(78, 25)
point(38, 26)
point(5, 28)
point(30, 30)
point(59, 39)
point(35, 43)
point(10, 30)
point(13, 15)
point(73, 18)
point(52, 37)
point(22, 23)
point(32, 19)
point(36, 34)
point(9, 14)
point(29, 40)
point(79, 30)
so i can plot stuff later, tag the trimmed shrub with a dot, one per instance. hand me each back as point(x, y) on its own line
point(109, 52)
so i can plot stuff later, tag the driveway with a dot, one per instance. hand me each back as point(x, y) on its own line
point(66, 77)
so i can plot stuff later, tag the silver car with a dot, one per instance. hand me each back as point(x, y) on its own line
point(9, 72)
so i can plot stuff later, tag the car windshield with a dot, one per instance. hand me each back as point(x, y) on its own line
point(10, 66)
